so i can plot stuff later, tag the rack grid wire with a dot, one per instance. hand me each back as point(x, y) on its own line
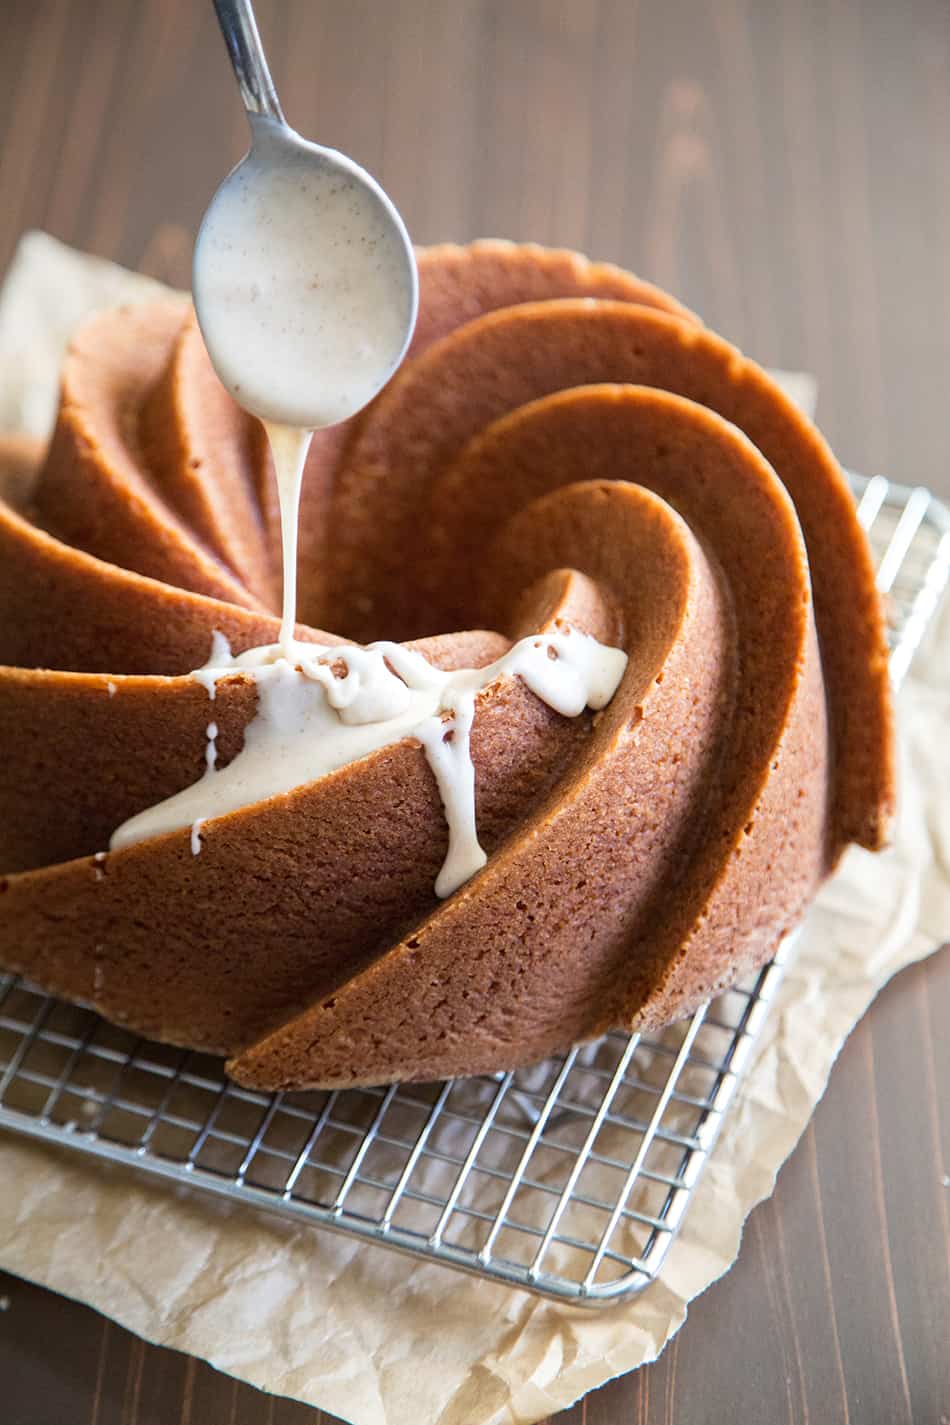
point(569, 1179)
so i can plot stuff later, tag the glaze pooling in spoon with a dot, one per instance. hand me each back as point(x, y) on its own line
point(304, 282)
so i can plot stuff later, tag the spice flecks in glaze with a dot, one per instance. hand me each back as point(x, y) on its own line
point(311, 721)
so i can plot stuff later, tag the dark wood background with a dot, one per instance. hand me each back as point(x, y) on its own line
point(784, 166)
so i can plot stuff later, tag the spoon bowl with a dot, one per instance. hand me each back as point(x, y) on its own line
point(304, 277)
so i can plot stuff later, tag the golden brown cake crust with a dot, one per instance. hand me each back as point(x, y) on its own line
point(565, 444)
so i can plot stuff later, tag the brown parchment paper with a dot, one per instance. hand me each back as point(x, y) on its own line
point(365, 1333)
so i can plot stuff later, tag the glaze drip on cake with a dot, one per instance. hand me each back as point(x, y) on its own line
point(322, 708)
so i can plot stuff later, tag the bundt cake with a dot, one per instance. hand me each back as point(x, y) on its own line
point(566, 453)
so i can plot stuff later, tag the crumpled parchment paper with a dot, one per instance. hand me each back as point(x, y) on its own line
point(365, 1333)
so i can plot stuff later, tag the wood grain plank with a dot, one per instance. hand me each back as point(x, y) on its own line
point(38, 40)
point(902, 1048)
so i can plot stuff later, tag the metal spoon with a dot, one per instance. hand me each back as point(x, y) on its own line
point(304, 277)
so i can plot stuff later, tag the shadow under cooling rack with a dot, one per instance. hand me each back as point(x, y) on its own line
point(570, 1178)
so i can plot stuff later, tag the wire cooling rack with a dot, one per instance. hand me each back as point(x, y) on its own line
point(569, 1179)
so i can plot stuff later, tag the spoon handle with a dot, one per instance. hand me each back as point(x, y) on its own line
point(239, 27)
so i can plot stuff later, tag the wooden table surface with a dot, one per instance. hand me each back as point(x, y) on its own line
point(784, 166)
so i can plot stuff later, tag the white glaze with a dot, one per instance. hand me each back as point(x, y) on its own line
point(310, 722)
point(302, 286)
point(211, 751)
point(306, 305)
point(306, 294)
point(289, 448)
